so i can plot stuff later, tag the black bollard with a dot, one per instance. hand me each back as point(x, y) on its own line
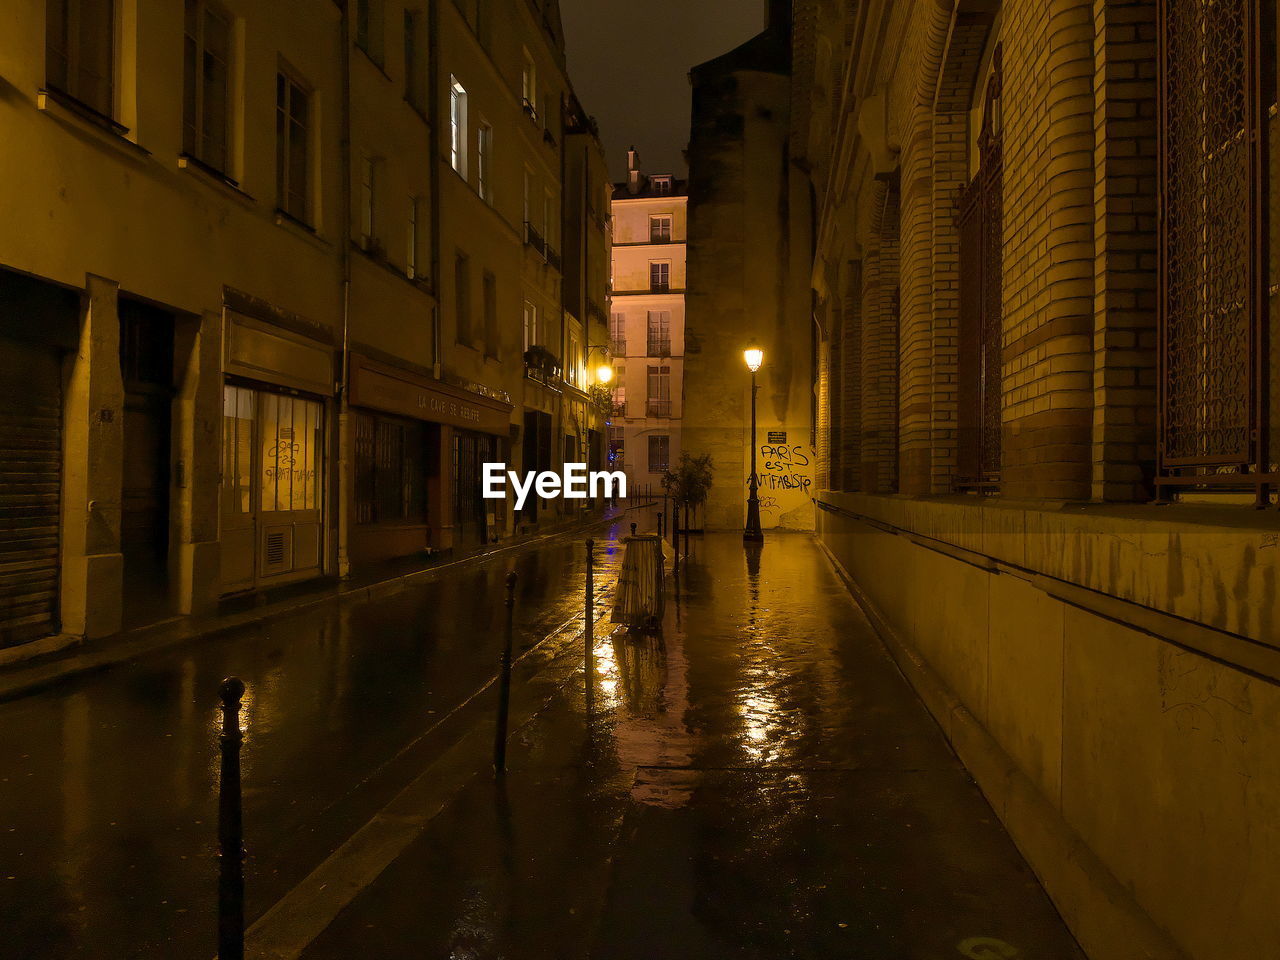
point(633, 529)
point(504, 684)
point(230, 828)
point(589, 633)
point(660, 529)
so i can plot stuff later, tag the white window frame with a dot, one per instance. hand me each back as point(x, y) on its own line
point(484, 161)
point(663, 222)
point(458, 126)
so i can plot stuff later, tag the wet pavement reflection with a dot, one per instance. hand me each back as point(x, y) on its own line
point(758, 781)
point(108, 782)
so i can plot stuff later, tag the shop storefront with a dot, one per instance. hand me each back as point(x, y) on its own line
point(273, 455)
point(419, 446)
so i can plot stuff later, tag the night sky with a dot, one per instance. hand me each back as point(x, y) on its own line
point(630, 59)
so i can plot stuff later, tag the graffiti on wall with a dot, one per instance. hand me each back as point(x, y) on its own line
point(784, 475)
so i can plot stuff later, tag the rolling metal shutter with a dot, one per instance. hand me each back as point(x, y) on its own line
point(30, 487)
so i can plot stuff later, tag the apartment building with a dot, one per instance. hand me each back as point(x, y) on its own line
point(646, 328)
point(264, 316)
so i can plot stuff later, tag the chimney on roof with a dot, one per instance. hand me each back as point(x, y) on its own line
point(635, 179)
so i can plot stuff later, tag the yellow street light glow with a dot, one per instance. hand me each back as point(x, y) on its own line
point(754, 357)
point(604, 373)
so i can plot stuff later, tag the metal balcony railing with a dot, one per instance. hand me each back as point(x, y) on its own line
point(532, 238)
point(618, 348)
point(659, 347)
point(658, 408)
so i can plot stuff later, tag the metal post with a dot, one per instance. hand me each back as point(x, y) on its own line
point(752, 532)
point(633, 529)
point(589, 633)
point(504, 684)
point(230, 828)
point(661, 531)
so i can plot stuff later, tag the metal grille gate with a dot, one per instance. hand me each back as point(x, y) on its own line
point(1213, 243)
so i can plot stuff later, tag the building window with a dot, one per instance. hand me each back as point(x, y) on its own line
point(660, 276)
point(414, 238)
point(293, 131)
point(618, 334)
point(462, 296)
point(661, 184)
point(415, 70)
point(660, 228)
point(391, 470)
point(368, 202)
point(981, 225)
point(659, 453)
point(617, 448)
point(369, 32)
point(531, 333)
point(484, 149)
point(458, 126)
point(80, 51)
point(206, 90)
point(1217, 307)
point(489, 292)
point(659, 398)
point(574, 364)
point(659, 333)
point(620, 390)
point(529, 87)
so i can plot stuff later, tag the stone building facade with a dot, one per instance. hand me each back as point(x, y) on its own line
point(646, 328)
point(749, 257)
point(1043, 411)
point(262, 293)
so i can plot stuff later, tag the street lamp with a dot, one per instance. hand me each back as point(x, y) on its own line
point(754, 357)
point(604, 373)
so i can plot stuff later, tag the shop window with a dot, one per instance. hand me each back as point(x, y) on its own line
point(391, 466)
point(290, 458)
point(238, 415)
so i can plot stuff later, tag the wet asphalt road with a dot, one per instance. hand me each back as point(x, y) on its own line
point(108, 783)
point(759, 782)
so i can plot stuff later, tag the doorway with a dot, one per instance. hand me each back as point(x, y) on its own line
point(146, 367)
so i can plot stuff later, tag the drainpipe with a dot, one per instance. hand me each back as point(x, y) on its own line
point(344, 242)
point(433, 127)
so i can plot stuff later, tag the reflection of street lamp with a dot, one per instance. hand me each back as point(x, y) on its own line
point(752, 534)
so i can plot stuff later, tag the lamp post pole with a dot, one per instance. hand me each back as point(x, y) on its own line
point(752, 533)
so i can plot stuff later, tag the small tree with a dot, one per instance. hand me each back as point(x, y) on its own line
point(690, 484)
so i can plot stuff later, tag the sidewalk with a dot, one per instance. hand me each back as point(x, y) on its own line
point(759, 782)
point(23, 676)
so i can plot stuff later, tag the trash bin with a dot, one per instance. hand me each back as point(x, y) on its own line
point(641, 596)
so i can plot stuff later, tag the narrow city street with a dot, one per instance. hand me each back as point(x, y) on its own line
point(757, 781)
point(108, 802)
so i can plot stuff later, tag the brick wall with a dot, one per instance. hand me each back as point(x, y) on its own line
point(1048, 248)
point(879, 445)
point(1125, 248)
